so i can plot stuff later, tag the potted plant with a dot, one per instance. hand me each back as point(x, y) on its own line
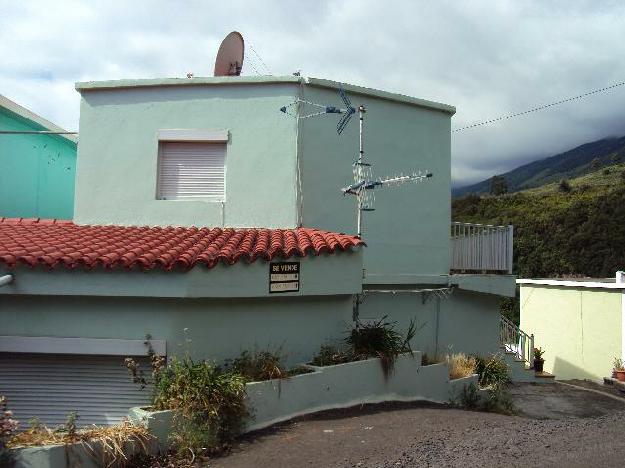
point(619, 369)
point(538, 359)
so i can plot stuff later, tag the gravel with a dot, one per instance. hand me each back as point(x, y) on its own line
point(412, 435)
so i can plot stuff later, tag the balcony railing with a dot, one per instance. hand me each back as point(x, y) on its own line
point(481, 248)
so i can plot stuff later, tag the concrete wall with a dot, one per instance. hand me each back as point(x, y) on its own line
point(215, 328)
point(408, 233)
point(580, 329)
point(464, 322)
point(37, 171)
point(118, 153)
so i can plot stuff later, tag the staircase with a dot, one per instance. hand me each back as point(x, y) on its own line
point(518, 351)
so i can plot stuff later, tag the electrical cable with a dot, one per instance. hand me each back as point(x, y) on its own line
point(535, 109)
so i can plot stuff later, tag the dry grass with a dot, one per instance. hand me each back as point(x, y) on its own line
point(461, 365)
point(104, 444)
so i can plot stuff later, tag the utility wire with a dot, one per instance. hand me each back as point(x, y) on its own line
point(260, 58)
point(511, 116)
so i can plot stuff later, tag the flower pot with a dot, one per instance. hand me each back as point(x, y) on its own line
point(538, 365)
point(620, 375)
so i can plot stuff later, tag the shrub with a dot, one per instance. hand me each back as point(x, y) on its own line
point(493, 371)
point(460, 365)
point(499, 400)
point(375, 339)
point(380, 339)
point(564, 186)
point(469, 398)
point(606, 171)
point(8, 426)
point(427, 360)
point(208, 403)
point(259, 365)
point(330, 356)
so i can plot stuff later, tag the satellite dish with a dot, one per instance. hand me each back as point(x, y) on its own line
point(229, 59)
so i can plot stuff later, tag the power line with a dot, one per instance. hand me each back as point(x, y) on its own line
point(562, 101)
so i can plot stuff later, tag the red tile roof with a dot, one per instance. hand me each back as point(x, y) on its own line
point(53, 243)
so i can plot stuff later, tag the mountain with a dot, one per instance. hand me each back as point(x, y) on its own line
point(573, 229)
point(565, 165)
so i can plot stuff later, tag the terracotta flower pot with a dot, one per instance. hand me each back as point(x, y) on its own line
point(620, 375)
point(538, 365)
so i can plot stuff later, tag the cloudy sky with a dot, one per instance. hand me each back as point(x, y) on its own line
point(487, 58)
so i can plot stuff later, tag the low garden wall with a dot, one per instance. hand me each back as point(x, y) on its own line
point(274, 401)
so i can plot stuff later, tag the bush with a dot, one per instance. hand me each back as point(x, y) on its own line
point(259, 365)
point(460, 365)
point(493, 371)
point(564, 186)
point(330, 356)
point(208, 403)
point(375, 339)
point(499, 400)
point(8, 426)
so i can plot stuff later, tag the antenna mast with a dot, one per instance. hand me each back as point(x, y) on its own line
point(364, 182)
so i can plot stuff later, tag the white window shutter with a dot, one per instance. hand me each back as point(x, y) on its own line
point(191, 170)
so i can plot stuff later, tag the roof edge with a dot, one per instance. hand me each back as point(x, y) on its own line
point(355, 89)
point(21, 111)
point(573, 284)
point(86, 86)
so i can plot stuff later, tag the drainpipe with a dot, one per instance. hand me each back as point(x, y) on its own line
point(6, 279)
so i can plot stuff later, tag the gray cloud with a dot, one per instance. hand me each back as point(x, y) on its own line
point(486, 58)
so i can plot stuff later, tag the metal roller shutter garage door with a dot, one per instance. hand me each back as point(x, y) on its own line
point(50, 386)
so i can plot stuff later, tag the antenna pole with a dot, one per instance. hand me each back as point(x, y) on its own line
point(361, 157)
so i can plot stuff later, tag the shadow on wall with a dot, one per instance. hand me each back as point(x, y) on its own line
point(564, 370)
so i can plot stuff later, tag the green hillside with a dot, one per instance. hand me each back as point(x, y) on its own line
point(572, 163)
point(560, 231)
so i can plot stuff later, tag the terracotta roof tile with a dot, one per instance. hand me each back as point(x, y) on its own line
point(52, 243)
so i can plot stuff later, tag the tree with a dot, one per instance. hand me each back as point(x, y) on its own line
point(616, 158)
point(564, 186)
point(498, 185)
point(595, 164)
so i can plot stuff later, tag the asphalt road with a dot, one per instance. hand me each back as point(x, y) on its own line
point(558, 426)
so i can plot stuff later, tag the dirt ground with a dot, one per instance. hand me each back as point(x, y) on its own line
point(558, 426)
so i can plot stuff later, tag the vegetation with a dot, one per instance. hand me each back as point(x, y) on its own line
point(498, 185)
point(492, 371)
point(8, 426)
point(618, 364)
point(576, 233)
point(259, 365)
point(208, 403)
point(377, 339)
point(538, 354)
point(460, 365)
point(106, 445)
point(494, 376)
point(567, 165)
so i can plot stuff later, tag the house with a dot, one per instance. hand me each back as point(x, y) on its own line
point(579, 322)
point(209, 220)
point(36, 170)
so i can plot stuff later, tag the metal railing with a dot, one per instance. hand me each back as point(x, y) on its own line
point(514, 340)
point(481, 247)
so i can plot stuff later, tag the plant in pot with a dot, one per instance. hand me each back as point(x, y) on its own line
point(538, 359)
point(619, 369)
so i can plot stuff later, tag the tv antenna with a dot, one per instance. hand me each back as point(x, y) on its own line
point(229, 61)
point(296, 109)
point(364, 182)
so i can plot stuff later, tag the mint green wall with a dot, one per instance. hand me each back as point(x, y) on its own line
point(408, 233)
point(118, 148)
point(36, 171)
point(218, 328)
point(327, 274)
point(464, 322)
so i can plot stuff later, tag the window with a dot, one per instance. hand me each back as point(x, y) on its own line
point(191, 169)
